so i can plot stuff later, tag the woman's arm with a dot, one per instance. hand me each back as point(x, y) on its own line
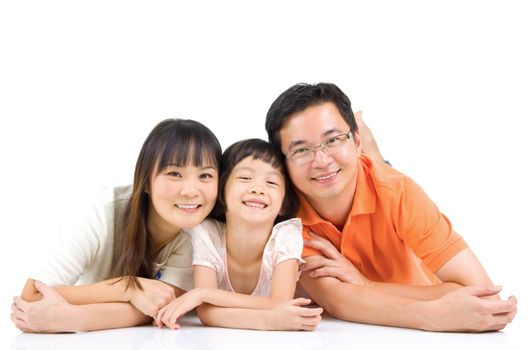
point(154, 296)
point(53, 314)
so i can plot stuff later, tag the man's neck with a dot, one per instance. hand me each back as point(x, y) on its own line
point(335, 209)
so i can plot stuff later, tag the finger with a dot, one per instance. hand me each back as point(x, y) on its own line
point(311, 321)
point(328, 271)
point(173, 320)
point(323, 244)
point(318, 261)
point(485, 291)
point(358, 115)
point(300, 301)
point(502, 306)
point(18, 313)
point(43, 288)
point(21, 324)
point(159, 318)
point(310, 311)
point(21, 303)
point(307, 327)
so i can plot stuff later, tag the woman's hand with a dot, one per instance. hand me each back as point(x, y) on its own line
point(154, 296)
point(291, 316)
point(171, 313)
point(48, 315)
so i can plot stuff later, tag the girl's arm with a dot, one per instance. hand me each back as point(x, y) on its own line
point(282, 289)
point(233, 310)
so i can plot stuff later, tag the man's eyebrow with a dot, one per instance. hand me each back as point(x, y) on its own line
point(324, 135)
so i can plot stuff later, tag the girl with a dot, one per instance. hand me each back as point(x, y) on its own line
point(246, 264)
point(132, 234)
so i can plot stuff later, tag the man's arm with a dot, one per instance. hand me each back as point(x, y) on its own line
point(333, 264)
point(461, 310)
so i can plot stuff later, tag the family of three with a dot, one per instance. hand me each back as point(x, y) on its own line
point(252, 236)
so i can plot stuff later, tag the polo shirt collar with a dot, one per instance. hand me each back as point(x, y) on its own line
point(364, 197)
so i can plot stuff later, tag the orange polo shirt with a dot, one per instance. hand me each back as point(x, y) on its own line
point(393, 233)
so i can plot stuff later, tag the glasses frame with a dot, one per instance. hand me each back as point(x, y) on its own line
point(322, 146)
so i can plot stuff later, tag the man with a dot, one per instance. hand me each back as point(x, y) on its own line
point(377, 249)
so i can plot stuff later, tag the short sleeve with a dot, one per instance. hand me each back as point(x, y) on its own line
point(207, 244)
point(287, 242)
point(178, 268)
point(423, 228)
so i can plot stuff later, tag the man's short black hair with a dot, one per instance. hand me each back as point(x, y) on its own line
point(301, 96)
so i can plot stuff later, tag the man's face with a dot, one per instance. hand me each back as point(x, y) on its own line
point(327, 175)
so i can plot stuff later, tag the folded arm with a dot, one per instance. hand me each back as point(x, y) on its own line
point(154, 296)
point(53, 314)
point(233, 310)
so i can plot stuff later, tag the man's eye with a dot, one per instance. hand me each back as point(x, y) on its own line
point(300, 151)
point(332, 140)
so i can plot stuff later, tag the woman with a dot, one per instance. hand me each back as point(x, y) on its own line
point(130, 236)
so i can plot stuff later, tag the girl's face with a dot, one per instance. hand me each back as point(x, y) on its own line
point(254, 191)
point(182, 197)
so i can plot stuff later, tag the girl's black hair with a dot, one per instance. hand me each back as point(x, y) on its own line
point(261, 150)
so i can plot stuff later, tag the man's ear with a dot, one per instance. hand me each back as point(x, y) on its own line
point(357, 141)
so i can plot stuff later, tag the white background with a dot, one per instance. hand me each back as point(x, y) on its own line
point(443, 86)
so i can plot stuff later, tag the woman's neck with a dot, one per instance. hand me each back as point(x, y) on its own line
point(161, 232)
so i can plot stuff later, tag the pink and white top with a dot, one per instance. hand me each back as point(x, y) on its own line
point(209, 249)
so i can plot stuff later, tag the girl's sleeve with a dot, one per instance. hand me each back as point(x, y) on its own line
point(206, 242)
point(287, 241)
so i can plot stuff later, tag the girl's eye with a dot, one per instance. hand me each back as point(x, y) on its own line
point(174, 174)
point(244, 178)
point(273, 183)
point(206, 176)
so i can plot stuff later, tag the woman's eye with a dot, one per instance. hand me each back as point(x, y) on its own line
point(244, 178)
point(174, 174)
point(206, 176)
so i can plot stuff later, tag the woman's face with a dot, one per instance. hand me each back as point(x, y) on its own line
point(182, 197)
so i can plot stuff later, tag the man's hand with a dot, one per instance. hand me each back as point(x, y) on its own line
point(332, 263)
point(469, 310)
point(369, 146)
point(48, 315)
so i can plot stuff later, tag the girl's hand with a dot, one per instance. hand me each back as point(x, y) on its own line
point(291, 316)
point(154, 296)
point(171, 314)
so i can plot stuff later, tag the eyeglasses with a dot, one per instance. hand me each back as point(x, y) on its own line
point(331, 145)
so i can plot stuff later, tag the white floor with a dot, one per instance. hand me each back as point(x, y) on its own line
point(331, 334)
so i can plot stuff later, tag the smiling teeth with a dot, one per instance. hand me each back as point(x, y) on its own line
point(325, 177)
point(255, 205)
point(187, 206)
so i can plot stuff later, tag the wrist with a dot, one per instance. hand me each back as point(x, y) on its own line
point(268, 320)
point(200, 295)
point(70, 319)
point(426, 310)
